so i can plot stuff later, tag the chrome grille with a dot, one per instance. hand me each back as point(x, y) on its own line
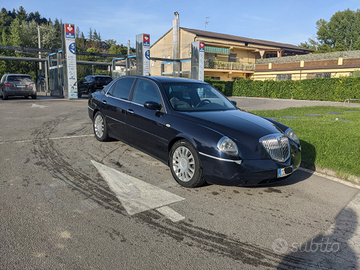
point(277, 146)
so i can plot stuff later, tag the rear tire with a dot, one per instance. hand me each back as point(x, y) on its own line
point(100, 128)
point(4, 97)
point(185, 165)
point(34, 96)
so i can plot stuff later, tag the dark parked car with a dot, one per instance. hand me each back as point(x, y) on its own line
point(17, 85)
point(92, 83)
point(196, 130)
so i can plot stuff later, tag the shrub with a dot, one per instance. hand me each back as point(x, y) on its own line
point(327, 89)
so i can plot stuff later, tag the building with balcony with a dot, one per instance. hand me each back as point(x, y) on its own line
point(227, 57)
point(321, 65)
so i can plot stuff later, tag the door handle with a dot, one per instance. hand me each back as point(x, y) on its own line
point(104, 101)
point(130, 111)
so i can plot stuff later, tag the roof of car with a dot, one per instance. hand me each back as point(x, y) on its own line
point(162, 79)
point(13, 74)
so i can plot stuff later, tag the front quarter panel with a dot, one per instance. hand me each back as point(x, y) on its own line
point(203, 138)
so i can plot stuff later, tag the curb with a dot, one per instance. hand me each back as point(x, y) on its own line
point(353, 181)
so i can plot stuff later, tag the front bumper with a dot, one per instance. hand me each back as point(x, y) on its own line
point(249, 172)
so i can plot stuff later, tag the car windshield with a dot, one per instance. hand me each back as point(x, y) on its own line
point(196, 97)
point(19, 79)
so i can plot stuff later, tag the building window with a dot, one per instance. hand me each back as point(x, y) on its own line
point(271, 55)
point(213, 78)
point(232, 57)
point(323, 75)
point(283, 77)
point(310, 76)
point(318, 75)
point(210, 56)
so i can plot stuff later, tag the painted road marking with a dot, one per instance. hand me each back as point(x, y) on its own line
point(170, 213)
point(38, 106)
point(138, 196)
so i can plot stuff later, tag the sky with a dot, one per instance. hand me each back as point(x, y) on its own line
point(284, 21)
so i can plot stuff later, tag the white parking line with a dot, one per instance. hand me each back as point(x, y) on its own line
point(37, 106)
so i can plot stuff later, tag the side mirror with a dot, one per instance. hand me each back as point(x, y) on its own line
point(152, 105)
point(233, 102)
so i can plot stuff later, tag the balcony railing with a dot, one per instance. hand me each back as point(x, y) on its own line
point(216, 64)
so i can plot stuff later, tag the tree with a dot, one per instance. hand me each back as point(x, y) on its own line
point(5, 20)
point(90, 34)
point(119, 50)
point(110, 42)
point(341, 33)
point(50, 36)
point(21, 30)
point(36, 17)
point(21, 14)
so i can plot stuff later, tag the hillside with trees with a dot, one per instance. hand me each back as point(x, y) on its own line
point(20, 29)
point(341, 33)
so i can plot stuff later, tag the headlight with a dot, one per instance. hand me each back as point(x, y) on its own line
point(292, 135)
point(228, 146)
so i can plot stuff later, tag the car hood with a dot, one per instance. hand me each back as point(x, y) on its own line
point(236, 124)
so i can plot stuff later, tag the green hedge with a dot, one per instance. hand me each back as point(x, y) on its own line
point(330, 89)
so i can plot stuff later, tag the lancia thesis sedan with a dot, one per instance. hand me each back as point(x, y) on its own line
point(196, 130)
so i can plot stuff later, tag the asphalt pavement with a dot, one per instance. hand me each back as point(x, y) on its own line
point(60, 208)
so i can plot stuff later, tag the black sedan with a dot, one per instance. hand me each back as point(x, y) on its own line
point(196, 130)
point(92, 83)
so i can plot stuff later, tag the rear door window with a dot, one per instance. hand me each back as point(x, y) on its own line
point(121, 88)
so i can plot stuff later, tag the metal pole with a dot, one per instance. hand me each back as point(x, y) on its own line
point(46, 79)
point(127, 59)
point(39, 43)
point(176, 50)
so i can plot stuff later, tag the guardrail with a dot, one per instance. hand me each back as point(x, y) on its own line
point(350, 99)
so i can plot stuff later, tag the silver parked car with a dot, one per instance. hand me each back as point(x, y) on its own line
point(17, 85)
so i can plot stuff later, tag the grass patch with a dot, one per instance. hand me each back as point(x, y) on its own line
point(325, 141)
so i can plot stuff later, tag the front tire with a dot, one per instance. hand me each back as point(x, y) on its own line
point(100, 128)
point(185, 165)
